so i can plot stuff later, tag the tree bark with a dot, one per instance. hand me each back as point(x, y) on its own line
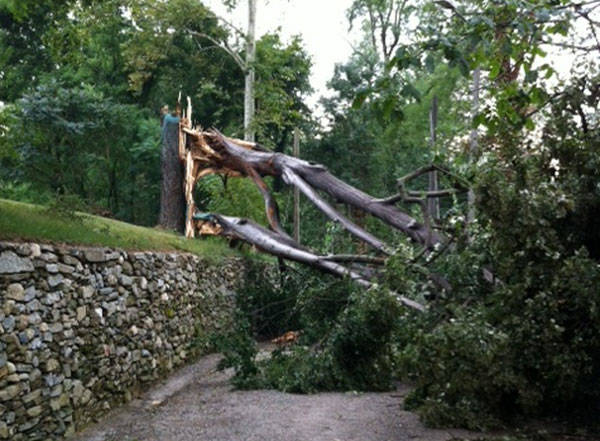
point(233, 156)
point(249, 109)
point(172, 198)
point(285, 247)
point(433, 204)
point(474, 140)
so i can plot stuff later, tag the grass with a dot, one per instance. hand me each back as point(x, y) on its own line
point(22, 221)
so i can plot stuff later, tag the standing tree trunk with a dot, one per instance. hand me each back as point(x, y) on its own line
point(474, 141)
point(433, 203)
point(249, 73)
point(172, 200)
point(296, 191)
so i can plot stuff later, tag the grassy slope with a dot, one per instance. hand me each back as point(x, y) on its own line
point(21, 221)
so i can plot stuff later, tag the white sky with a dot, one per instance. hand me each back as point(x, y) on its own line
point(321, 23)
point(324, 29)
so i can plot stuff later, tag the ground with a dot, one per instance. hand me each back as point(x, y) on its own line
point(197, 403)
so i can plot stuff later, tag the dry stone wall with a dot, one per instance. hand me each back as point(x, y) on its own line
point(81, 329)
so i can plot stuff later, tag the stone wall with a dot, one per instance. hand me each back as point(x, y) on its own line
point(82, 328)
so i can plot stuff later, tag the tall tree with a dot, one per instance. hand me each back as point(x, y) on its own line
point(249, 73)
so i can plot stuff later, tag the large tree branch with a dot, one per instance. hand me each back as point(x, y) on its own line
point(293, 179)
point(281, 246)
point(319, 178)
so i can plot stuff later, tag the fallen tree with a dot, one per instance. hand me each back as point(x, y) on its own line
point(205, 152)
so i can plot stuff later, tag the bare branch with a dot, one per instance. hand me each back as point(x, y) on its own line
point(221, 45)
point(355, 258)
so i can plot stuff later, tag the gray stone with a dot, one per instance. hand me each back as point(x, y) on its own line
point(95, 255)
point(23, 250)
point(52, 268)
point(81, 313)
point(65, 269)
point(56, 280)
point(106, 291)
point(55, 327)
point(110, 307)
point(78, 391)
point(33, 306)
point(15, 292)
point(36, 251)
point(60, 402)
point(86, 291)
point(36, 344)
point(23, 367)
point(52, 365)
point(127, 268)
point(56, 391)
point(52, 380)
point(112, 256)
point(4, 432)
point(126, 280)
point(23, 337)
point(8, 323)
point(70, 260)
point(29, 424)
point(52, 297)
point(10, 392)
point(35, 411)
point(10, 417)
point(30, 293)
point(49, 257)
point(111, 279)
point(32, 396)
point(11, 263)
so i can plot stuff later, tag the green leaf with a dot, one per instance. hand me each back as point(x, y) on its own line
point(410, 91)
point(360, 98)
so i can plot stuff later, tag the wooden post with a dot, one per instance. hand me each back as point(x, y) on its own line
point(296, 190)
point(433, 204)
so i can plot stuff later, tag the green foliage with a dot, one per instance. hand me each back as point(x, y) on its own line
point(66, 207)
point(239, 351)
point(353, 354)
point(528, 345)
point(72, 140)
point(282, 84)
point(231, 197)
point(345, 335)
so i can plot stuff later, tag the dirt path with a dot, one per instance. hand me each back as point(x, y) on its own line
point(197, 403)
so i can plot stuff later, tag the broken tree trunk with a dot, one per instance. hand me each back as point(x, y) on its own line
point(172, 202)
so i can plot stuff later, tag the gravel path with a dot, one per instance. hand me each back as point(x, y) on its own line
point(197, 403)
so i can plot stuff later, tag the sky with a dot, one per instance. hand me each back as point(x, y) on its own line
point(322, 24)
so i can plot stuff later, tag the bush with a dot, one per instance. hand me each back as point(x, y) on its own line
point(345, 340)
point(528, 345)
